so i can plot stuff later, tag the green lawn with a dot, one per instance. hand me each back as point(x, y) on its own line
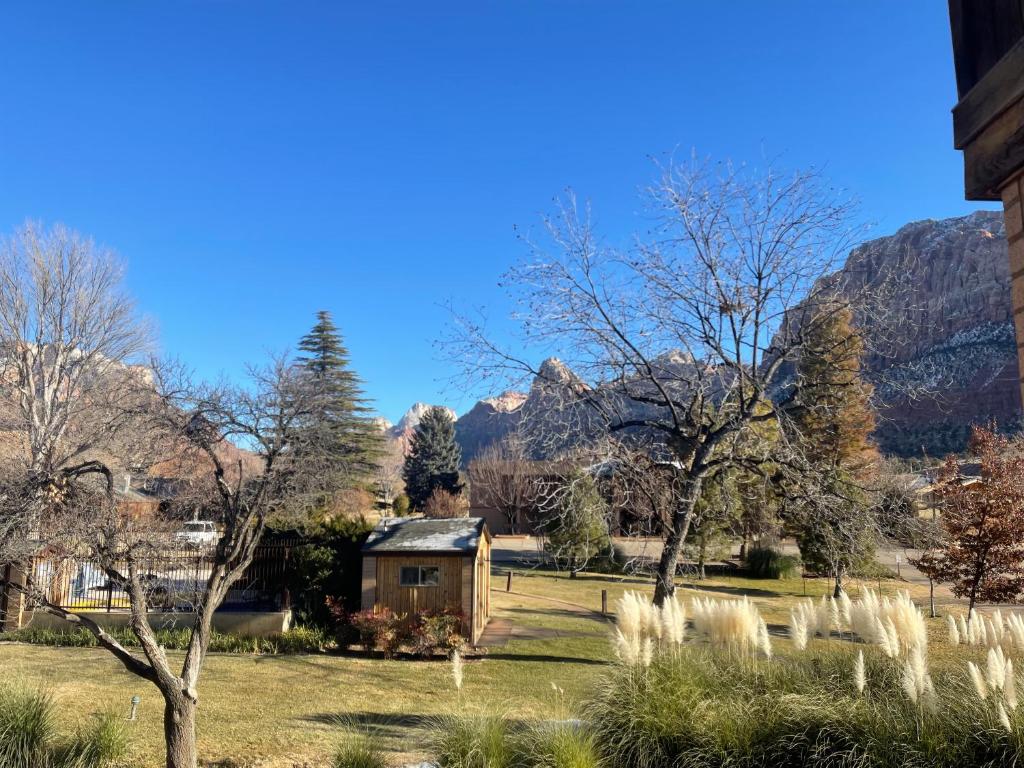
point(286, 710)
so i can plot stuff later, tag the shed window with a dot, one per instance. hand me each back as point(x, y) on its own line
point(419, 576)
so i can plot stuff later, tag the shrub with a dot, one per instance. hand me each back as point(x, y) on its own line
point(381, 630)
point(438, 631)
point(303, 640)
point(327, 564)
point(472, 742)
point(297, 640)
point(769, 563)
point(359, 751)
point(426, 633)
point(611, 559)
point(444, 504)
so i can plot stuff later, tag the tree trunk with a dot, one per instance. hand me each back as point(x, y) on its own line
point(838, 591)
point(666, 585)
point(180, 731)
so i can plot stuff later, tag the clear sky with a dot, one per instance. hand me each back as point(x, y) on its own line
point(254, 161)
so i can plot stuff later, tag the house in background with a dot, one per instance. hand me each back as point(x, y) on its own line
point(988, 121)
point(420, 564)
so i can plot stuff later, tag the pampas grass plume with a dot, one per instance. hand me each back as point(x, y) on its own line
point(860, 678)
point(457, 669)
point(979, 681)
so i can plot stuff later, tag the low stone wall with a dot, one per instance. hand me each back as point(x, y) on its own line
point(251, 624)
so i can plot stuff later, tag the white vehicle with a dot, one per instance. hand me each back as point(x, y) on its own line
point(198, 533)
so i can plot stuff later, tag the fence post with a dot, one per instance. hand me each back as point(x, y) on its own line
point(508, 583)
point(12, 601)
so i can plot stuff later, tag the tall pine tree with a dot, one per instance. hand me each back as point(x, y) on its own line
point(342, 429)
point(834, 420)
point(433, 460)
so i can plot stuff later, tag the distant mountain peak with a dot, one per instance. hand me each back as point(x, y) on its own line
point(506, 402)
point(412, 417)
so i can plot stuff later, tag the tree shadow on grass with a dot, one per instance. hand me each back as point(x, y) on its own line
point(393, 729)
point(736, 591)
point(554, 612)
point(543, 657)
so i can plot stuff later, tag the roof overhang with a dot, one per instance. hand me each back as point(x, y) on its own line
point(988, 120)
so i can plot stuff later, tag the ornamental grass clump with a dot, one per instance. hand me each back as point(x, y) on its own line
point(735, 626)
point(808, 619)
point(29, 736)
point(473, 742)
point(996, 688)
point(558, 745)
point(359, 751)
point(831, 706)
point(895, 624)
point(642, 629)
point(996, 630)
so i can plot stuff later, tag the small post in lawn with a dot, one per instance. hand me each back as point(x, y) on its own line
point(604, 602)
point(508, 583)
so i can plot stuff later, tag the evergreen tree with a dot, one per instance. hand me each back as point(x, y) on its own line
point(577, 524)
point(834, 414)
point(342, 427)
point(433, 460)
point(833, 420)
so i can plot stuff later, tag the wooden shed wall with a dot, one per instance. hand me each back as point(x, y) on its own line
point(448, 593)
point(481, 587)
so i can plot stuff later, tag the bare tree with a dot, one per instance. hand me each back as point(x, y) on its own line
point(67, 330)
point(387, 480)
point(504, 478)
point(444, 505)
point(684, 341)
point(78, 413)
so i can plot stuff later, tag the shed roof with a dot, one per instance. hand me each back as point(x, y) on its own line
point(419, 534)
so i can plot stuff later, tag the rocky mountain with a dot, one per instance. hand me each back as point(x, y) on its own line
point(488, 421)
point(948, 359)
point(402, 431)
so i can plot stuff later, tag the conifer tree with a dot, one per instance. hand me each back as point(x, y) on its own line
point(577, 523)
point(433, 460)
point(343, 429)
point(833, 420)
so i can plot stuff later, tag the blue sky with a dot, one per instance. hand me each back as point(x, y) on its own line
point(254, 162)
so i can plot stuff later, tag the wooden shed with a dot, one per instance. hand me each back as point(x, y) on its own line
point(418, 564)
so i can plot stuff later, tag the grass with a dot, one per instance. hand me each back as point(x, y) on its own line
point(295, 708)
point(287, 709)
